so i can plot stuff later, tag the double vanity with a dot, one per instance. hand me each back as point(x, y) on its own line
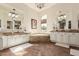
point(68, 37)
point(11, 39)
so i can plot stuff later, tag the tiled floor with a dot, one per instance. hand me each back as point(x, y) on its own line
point(38, 49)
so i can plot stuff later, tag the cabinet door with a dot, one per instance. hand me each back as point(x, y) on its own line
point(11, 41)
point(65, 37)
point(77, 39)
point(1, 43)
point(26, 38)
point(74, 39)
point(18, 39)
point(60, 37)
point(53, 36)
point(5, 42)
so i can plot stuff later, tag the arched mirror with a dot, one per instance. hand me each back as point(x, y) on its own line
point(62, 21)
point(44, 22)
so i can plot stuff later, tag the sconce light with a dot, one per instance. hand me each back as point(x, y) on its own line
point(61, 17)
point(13, 13)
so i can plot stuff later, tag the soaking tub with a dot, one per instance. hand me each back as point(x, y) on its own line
point(39, 34)
point(39, 37)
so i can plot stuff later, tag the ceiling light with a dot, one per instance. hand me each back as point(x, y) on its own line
point(40, 5)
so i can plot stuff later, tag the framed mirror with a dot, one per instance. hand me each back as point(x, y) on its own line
point(44, 24)
point(62, 21)
point(33, 23)
point(9, 24)
point(17, 24)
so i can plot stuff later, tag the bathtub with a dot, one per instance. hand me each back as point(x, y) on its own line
point(40, 37)
point(39, 34)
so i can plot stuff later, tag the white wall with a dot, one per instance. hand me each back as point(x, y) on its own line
point(71, 11)
point(26, 13)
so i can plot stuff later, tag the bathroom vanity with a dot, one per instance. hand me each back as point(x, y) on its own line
point(11, 39)
point(68, 37)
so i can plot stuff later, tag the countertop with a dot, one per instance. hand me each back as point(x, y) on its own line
point(70, 31)
point(10, 33)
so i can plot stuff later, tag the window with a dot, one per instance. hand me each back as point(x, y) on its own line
point(44, 22)
point(69, 25)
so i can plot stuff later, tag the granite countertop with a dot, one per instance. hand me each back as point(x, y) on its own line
point(71, 31)
point(10, 33)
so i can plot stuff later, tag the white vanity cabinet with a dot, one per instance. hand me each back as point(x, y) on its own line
point(1, 44)
point(74, 39)
point(65, 37)
point(26, 38)
point(53, 36)
point(5, 42)
point(71, 38)
point(60, 37)
point(12, 40)
point(18, 39)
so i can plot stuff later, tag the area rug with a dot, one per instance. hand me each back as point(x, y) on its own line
point(19, 50)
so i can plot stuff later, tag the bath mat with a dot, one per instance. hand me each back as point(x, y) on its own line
point(20, 48)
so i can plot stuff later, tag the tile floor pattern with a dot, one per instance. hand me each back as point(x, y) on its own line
point(39, 49)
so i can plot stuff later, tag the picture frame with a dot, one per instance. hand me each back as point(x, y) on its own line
point(33, 23)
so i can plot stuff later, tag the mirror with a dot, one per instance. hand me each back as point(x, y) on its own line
point(44, 22)
point(62, 21)
point(17, 24)
point(9, 24)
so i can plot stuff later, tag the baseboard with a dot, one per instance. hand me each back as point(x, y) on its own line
point(62, 45)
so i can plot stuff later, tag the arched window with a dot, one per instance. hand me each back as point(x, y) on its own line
point(44, 22)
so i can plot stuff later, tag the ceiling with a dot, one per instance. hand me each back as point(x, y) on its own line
point(33, 6)
point(23, 6)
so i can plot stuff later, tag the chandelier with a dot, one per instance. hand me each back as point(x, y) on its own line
point(13, 13)
point(40, 5)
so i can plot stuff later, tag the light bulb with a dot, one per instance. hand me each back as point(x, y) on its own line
point(9, 14)
point(64, 16)
point(16, 16)
point(58, 18)
point(13, 15)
